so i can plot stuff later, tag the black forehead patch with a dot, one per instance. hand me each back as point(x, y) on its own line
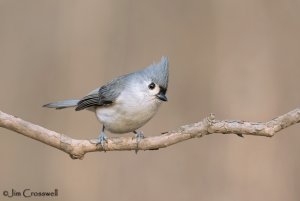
point(162, 90)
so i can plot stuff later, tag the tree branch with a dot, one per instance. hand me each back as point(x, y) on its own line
point(78, 148)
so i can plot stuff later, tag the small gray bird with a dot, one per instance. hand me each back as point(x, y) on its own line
point(127, 102)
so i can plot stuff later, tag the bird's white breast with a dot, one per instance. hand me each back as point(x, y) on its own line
point(129, 112)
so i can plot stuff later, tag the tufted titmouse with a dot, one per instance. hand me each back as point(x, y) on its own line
point(127, 102)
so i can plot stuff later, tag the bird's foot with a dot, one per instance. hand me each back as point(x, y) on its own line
point(102, 138)
point(139, 135)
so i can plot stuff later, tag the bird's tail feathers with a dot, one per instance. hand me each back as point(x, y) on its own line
point(62, 104)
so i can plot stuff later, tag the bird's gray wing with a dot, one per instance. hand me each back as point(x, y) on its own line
point(105, 95)
point(88, 101)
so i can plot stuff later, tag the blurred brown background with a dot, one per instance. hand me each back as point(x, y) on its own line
point(238, 59)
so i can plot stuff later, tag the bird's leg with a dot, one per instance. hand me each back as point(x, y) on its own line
point(102, 137)
point(139, 136)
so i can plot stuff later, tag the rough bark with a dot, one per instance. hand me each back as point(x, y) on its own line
point(78, 148)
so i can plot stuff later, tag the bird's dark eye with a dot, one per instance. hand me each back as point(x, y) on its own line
point(151, 86)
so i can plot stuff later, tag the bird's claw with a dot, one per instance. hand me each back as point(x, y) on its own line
point(139, 135)
point(102, 139)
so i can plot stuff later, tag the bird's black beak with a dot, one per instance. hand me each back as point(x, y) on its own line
point(162, 96)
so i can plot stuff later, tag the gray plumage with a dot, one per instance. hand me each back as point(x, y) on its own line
point(104, 95)
point(159, 73)
point(127, 102)
point(62, 104)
